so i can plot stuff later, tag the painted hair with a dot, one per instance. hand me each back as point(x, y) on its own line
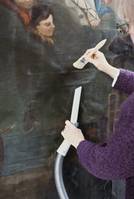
point(39, 13)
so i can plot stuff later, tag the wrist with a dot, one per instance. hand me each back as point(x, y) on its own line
point(78, 142)
point(110, 70)
point(105, 68)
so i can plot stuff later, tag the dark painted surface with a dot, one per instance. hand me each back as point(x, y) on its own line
point(37, 84)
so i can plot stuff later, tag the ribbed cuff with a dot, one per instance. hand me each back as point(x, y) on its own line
point(125, 81)
point(115, 78)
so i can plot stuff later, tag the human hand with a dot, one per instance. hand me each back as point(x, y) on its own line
point(72, 134)
point(97, 58)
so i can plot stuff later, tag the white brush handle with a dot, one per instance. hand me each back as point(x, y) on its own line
point(63, 148)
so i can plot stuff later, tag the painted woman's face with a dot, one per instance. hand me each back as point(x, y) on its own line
point(46, 27)
point(25, 3)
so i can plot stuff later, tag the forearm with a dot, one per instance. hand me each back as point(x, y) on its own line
point(106, 162)
point(123, 79)
point(110, 70)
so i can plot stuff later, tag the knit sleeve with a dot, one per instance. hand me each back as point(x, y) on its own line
point(113, 160)
point(125, 81)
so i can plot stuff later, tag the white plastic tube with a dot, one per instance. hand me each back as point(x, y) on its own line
point(64, 147)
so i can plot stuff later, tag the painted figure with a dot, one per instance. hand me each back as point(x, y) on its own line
point(90, 12)
point(42, 23)
point(86, 11)
point(21, 7)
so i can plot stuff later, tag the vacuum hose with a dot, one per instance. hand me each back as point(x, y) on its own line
point(64, 147)
point(59, 177)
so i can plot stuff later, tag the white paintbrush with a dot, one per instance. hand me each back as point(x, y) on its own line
point(81, 62)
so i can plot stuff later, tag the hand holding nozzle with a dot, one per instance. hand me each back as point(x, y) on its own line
point(64, 147)
point(84, 59)
point(72, 134)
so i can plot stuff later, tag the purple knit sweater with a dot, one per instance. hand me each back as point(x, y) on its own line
point(115, 159)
